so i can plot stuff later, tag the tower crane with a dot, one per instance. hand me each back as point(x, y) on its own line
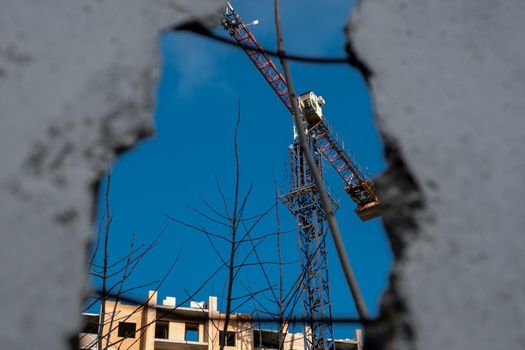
point(303, 199)
point(357, 182)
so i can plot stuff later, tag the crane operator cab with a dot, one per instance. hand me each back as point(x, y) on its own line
point(311, 106)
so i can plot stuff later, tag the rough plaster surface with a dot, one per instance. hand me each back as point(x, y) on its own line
point(76, 85)
point(448, 84)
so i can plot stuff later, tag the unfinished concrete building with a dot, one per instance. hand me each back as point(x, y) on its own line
point(167, 326)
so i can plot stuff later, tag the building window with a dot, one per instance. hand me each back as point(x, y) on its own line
point(192, 332)
point(127, 329)
point(228, 338)
point(162, 330)
point(90, 325)
point(266, 339)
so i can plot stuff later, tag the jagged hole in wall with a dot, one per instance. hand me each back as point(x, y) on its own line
point(201, 84)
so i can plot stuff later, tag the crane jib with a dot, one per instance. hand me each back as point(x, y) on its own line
point(358, 185)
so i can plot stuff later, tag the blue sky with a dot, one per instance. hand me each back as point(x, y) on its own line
point(201, 84)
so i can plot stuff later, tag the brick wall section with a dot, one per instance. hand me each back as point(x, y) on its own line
point(123, 313)
point(149, 318)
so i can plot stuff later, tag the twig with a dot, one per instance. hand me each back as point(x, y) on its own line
point(105, 265)
point(234, 224)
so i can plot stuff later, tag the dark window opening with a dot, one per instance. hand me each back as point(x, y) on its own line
point(162, 330)
point(266, 339)
point(228, 338)
point(90, 325)
point(192, 332)
point(127, 329)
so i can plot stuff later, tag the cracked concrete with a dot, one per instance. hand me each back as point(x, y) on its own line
point(76, 85)
point(447, 80)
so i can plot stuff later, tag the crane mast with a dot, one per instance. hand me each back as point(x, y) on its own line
point(303, 199)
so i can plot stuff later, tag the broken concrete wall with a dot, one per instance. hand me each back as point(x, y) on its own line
point(448, 84)
point(76, 85)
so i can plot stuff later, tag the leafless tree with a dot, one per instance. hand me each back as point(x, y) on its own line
point(113, 275)
point(232, 216)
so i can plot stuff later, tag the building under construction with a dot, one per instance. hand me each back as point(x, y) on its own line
point(198, 326)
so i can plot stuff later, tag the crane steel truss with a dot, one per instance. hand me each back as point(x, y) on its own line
point(358, 186)
point(304, 203)
point(303, 199)
point(233, 23)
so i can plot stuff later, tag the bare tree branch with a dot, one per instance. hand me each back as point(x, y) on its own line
point(193, 227)
point(234, 224)
point(105, 265)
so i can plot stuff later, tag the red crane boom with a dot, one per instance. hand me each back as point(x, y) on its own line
point(357, 184)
